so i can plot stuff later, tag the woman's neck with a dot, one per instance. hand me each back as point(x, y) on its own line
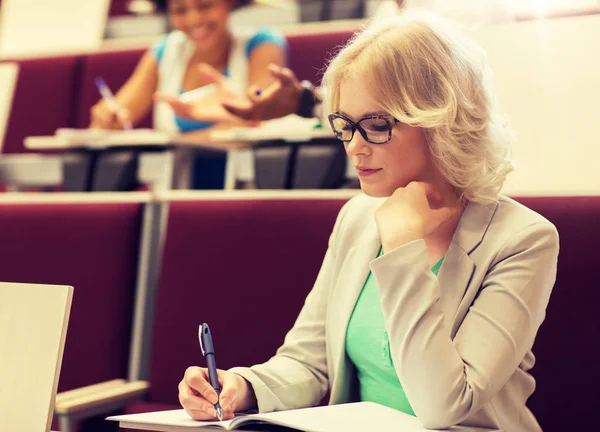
point(439, 240)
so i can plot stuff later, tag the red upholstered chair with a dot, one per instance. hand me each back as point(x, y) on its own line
point(566, 348)
point(43, 99)
point(118, 8)
point(93, 246)
point(258, 258)
point(309, 53)
point(115, 67)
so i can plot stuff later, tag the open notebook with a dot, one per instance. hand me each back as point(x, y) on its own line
point(360, 416)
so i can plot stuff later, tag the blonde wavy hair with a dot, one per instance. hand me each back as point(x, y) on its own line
point(425, 73)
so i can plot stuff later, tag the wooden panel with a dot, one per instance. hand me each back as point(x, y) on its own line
point(33, 327)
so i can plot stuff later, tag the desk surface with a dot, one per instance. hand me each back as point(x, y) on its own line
point(58, 143)
point(218, 140)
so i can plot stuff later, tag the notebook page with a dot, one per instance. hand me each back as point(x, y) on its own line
point(359, 417)
point(173, 420)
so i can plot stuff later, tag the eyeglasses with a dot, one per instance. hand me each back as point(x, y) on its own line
point(376, 129)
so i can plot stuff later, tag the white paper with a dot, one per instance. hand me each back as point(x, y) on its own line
point(291, 128)
point(177, 418)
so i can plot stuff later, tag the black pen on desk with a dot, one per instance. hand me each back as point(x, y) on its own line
point(208, 351)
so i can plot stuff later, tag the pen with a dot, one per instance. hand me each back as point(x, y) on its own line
point(208, 351)
point(109, 97)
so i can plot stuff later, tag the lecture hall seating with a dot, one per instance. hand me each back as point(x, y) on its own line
point(91, 244)
point(59, 91)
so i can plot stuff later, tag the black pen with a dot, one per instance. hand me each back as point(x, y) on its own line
point(208, 351)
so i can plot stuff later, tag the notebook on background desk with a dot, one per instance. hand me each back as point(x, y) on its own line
point(33, 328)
point(359, 417)
point(288, 128)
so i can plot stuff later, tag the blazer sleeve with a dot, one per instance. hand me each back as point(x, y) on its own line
point(448, 380)
point(296, 377)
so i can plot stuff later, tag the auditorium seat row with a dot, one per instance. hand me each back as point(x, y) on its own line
point(56, 92)
point(147, 271)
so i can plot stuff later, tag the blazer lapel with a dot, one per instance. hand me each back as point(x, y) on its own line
point(454, 278)
point(458, 267)
point(473, 225)
point(353, 275)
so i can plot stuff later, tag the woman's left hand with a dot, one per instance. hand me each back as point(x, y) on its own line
point(411, 213)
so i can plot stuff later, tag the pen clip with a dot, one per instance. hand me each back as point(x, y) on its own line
point(200, 339)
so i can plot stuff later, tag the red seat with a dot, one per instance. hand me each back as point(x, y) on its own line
point(566, 346)
point(309, 53)
point(93, 247)
point(118, 8)
point(43, 99)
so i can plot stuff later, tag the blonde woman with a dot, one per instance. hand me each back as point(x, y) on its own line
point(434, 285)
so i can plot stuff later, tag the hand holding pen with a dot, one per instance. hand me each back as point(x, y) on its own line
point(108, 113)
point(199, 398)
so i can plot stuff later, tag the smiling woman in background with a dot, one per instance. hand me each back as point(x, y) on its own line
point(200, 36)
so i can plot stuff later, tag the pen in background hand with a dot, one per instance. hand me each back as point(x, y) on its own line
point(112, 103)
point(208, 351)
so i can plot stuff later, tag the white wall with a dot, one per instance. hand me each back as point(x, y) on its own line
point(547, 74)
point(51, 26)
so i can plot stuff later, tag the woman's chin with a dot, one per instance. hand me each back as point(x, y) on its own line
point(375, 190)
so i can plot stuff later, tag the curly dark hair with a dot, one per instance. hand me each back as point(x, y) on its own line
point(161, 5)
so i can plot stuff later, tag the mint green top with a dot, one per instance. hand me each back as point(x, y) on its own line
point(368, 347)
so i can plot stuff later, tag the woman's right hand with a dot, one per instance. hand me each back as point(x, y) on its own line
point(102, 117)
point(197, 396)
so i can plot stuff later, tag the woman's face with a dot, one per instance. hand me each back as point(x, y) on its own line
point(383, 168)
point(203, 21)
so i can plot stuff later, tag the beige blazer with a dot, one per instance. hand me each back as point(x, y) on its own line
point(460, 342)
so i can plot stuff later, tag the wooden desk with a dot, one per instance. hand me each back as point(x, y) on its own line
point(91, 153)
point(233, 142)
